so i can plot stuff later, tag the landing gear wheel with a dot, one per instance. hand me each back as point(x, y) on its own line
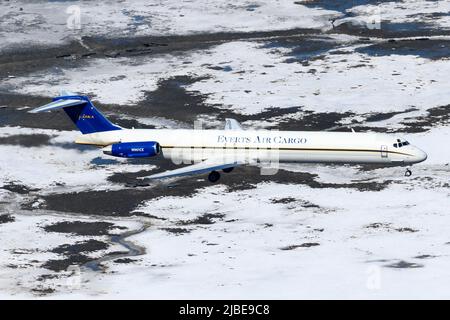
point(408, 173)
point(214, 176)
point(228, 170)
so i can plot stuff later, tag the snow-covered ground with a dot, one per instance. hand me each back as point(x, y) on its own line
point(56, 22)
point(52, 23)
point(59, 162)
point(273, 241)
point(341, 252)
point(250, 77)
point(434, 13)
point(27, 248)
point(75, 223)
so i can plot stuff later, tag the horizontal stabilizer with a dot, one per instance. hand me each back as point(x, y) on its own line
point(59, 104)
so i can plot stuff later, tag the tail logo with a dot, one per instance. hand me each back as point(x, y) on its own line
point(86, 116)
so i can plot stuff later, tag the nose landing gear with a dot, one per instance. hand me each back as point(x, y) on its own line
point(408, 172)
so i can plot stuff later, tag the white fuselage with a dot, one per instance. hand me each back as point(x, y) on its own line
point(284, 146)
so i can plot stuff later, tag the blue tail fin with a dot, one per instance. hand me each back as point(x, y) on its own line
point(86, 117)
point(82, 112)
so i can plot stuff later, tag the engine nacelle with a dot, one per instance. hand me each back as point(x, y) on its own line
point(133, 149)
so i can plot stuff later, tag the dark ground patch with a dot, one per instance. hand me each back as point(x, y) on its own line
point(124, 260)
point(102, 203)
point(433, 117)
point(173, 100)
point(26, 140)
point(123, 202)
point(42, 291)
point(82, 228)
point(12, 116)
point(341, 5)
point(422, 47)
point(404, 265)
point(58, 265)
point(303, 245)
point(283, 200)
point(207, 218)
point(386, 115)
point(79, 247)
point(5, 218)
point(307, 204)
point(99, 161)
point(18, 188)
point(303, 48)
point(378, 225)
point(406, 229)
point(388, 29)
point(425, 256)
point(130, 178)
point(75, 254)
point(315, 121)
point(288, 200)
point(388, 226)
point(177, 231)
point(34, 58)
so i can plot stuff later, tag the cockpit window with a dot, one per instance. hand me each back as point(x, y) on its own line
point(400, 143)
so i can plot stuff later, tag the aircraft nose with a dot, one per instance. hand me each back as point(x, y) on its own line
point(420, 155)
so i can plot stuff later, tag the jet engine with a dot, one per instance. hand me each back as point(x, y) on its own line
point(144, 149)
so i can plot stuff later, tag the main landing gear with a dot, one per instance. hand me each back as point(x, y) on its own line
point(214, 176)
point(408, 173)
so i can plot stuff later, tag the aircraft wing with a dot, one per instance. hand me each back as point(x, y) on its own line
point(207, 165)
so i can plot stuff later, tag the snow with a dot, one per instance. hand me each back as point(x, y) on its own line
point(368, 83)
point(434, 144)
point(25, 246)
point(246, 260)
point(52, 23)
point(434, 13)
point(276, 240)
point(371, 86)
point(243, 251)
point(56, 164)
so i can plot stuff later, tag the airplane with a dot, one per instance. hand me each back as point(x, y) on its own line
point(209, 151)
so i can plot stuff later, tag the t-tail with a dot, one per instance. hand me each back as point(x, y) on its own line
point(81, 111)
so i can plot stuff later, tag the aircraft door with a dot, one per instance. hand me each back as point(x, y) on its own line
point(384, 151)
